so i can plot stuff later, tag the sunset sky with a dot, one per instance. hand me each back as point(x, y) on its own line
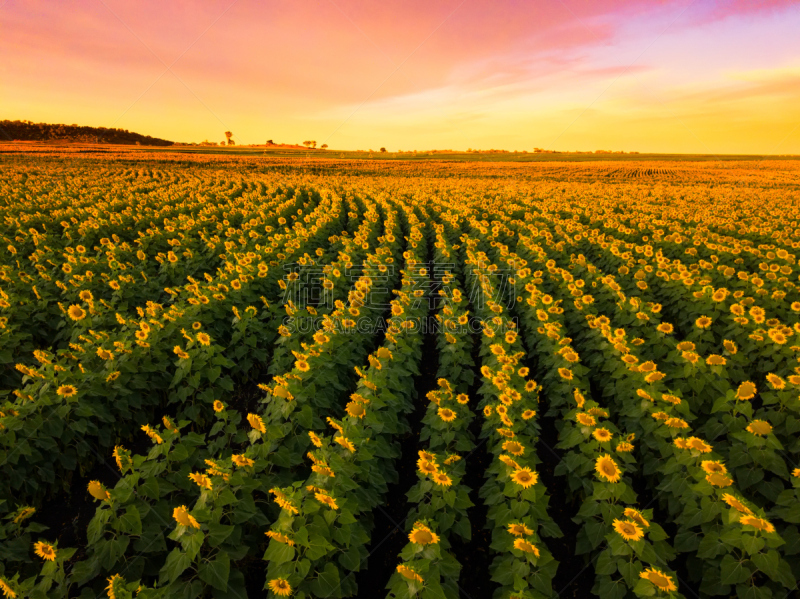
point(647, 75)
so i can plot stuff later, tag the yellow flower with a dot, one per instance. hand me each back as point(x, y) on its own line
point(758, 523)
point(519, 530)
point(528, 414)
point(201, 480)
point(514, 447)
point(624, 447)
point(315, 439)
point(585, 419)
point(746, 390)
point(718, 479)
point(422, 535)
point(66, 390)
point(606, 467)
point(408, 572)
point(427, 467)
point(697, 445)
point(242, 461)
point(75, 312)
point(355, 409)
point(281, 538)
point(280, 586)
point(525, 477)
point(257, 423)
point(636, 516)
point(736, 504)
point(730, 347)
point(602, 434)
point(565, 373)
point(760, 427)
point(665, 327)
point(203, 339)
point(218, 405)
point(45, 550)
point(703, 322)
point(8, 592)
point(526, 546)
point(659, 579)
point(630, 531)
point(440, 478)
point(715, 360)
point(775, 381)
point(447, 414)
point(327, 500)
point(345, 442)
point(97, 491)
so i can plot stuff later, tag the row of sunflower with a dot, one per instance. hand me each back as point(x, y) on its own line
point(217, 532)
point(517, 500)
point(73, 401)
point(631, 543)
point(693, 485)
point(325, 521)
point(440, 499)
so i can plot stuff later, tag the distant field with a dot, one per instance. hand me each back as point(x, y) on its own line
point(225, 374)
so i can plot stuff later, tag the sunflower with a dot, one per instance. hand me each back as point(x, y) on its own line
point(630, 531)
point(585, 419)
point(526, 546)
point(659, 579)
point(715, 360)
point(636, 516)
point(746, 390)
point(757, 523)
point(776, 382)
point(45, 550)
point(422, 535)
point(736, 504)
point(327, 500)
point(203, 339)
point(696, 444)
point(712, 466)
point(218, 405)
point(280, 586)
point(257, 423)
point(606, 467)
point(440, 478)
point(114, 585)
point(98, 491)
point(718, 479)
point(105, 354)
point(676, 423)
point(762, 428)
point(66, 390)
point(703, 322)
point(8, 592)
point(462, 398)
point(565, 373)
point(427, 467)
point(315, 439)
point(730, 347)
point(525, 477)
point(665, 328)
point(447, 414)
point(602, 434)
point(530, 386)
point(75, 312)
point(281, 538)
point(201, 480)
point(514, 448)
point(528, 414)
point(519, 530)
point(408, 572)
point(685, 346)
point(346, 443)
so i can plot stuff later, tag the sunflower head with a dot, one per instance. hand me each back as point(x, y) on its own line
point(607, 468)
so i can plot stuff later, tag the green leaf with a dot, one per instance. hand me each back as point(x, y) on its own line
point(217, 533)
point(733, 571)
point(176, 563)
point(216, 572)
point(131, 521)
point(279, 553)
point(327, 584)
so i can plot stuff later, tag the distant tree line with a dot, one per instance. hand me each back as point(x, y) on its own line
point(30, 131)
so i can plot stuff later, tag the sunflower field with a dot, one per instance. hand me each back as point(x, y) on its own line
point(233, 377)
